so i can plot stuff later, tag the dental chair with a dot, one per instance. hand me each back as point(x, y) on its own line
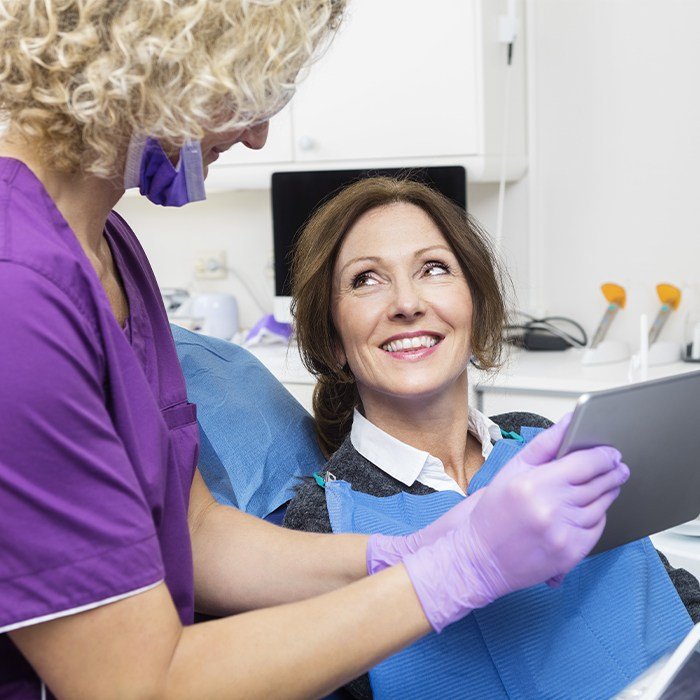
point(257, 440)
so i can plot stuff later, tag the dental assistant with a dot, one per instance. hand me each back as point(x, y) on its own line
point(109, 538)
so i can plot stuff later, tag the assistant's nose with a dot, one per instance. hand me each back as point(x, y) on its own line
point(407, 302)
point(256, 136)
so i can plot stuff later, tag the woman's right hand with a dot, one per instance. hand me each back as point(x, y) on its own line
point(537, 519)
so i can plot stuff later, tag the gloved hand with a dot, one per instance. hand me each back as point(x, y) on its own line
point(537, 519)
point(386, 550)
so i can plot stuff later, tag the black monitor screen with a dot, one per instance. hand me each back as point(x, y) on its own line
point(296, 195)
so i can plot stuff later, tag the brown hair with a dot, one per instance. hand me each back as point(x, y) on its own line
point(316, 251)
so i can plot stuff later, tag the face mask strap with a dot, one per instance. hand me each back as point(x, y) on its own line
point(134, 153)
point(191, 162)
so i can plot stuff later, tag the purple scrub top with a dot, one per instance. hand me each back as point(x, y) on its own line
point(98, 443)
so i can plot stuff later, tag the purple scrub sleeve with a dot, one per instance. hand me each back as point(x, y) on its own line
point(98, 443)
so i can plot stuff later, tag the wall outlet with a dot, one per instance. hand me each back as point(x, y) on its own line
point(211, 265)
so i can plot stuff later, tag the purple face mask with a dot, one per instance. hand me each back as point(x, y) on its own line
point(149, 168)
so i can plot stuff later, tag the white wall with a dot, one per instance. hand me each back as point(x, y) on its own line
point(616, 191)
point(239, 223)
point(613, 193)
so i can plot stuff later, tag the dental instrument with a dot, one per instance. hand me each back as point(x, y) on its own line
point(603, 351)
point(616, 296)
point(670, 299)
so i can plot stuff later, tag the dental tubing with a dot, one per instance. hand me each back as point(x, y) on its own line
point(535, 521)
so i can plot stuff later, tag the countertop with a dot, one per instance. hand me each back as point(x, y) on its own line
point(563, 372)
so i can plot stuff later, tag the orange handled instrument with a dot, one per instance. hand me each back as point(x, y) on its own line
point(670, 299)
point(616, 296)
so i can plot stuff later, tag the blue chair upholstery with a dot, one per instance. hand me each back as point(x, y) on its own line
point(257, 440)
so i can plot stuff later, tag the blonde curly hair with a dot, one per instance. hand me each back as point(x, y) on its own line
point(78, 77)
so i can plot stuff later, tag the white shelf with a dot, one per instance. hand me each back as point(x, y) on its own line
point(562, 372)
point(254, 176)
point(537, 372)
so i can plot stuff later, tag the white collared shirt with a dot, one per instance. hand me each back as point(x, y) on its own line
point(408, 464)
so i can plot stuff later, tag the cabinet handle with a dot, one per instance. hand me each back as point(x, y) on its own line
point(306, 143)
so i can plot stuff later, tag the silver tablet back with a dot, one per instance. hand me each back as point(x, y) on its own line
point(656, 427)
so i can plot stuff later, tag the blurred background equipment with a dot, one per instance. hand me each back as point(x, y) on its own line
point(691, 336)
point(670, 299)
point(219, 314)
point(662, 352)
point(616, 296)
point(602, 351)
point(548, 333)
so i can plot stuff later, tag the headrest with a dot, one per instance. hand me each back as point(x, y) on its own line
point(257, 440)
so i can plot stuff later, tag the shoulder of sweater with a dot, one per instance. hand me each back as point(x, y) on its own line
point(515, 420)
point(307, 510)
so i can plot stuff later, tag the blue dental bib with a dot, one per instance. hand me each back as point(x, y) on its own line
point(612, 617)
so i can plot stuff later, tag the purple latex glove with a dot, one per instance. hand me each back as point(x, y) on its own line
point(537, 519)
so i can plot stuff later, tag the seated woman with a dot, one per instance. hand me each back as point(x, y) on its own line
point(394, 291)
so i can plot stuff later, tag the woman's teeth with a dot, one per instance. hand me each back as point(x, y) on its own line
point(421, 341)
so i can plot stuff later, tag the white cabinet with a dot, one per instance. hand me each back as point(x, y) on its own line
point(398, 81)
point(404, 83)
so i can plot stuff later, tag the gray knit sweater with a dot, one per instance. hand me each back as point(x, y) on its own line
point(307, 510)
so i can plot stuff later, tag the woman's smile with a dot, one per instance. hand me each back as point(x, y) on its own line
point(412, 346)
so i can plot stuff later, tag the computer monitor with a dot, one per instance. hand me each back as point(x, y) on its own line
point(296, 195)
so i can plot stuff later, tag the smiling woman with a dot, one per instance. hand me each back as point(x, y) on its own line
point(386, 262)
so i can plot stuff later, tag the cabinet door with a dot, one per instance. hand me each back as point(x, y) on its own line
point(278, 148)
point(399, 80)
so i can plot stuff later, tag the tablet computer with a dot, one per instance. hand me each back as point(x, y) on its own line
point(656, 427)
point(676, 676)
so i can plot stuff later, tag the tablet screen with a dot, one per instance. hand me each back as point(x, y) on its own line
point(664, 484)
point(686, 682)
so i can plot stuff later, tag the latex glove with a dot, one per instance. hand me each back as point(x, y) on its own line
point(536, 521)
point(387, 550)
